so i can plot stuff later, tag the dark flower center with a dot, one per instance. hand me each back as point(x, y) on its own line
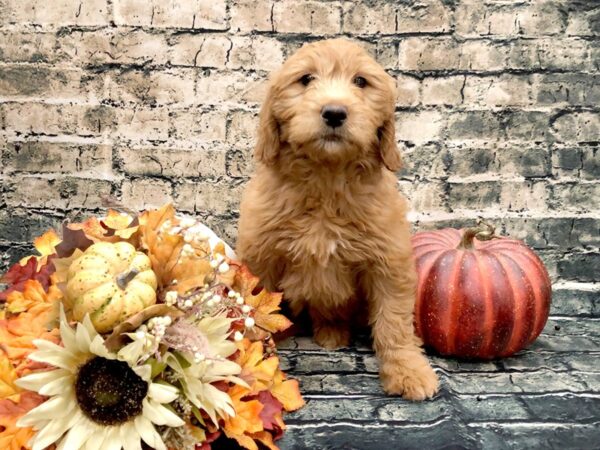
point(109, 392)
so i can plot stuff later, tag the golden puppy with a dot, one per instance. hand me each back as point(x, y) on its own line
point(322, 219)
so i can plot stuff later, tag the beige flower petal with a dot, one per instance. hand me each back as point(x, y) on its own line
point(98, 348)
point(89, 326)
point(144, 372)
point(96, 440)
point(132, 352)
point(112, 440)
point(48, 435)
point(162, 393)
point(81, 430)
point(54, 408)
point(130, 437)
point(35, 381)
point(47, 346)
point(53, 431)
point(67, 333)
point(58, 386)
point(160, 415)
point(63, 359)
point(83, 338)
point(146, 430)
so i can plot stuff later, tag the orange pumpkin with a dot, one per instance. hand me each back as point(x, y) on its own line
point(479, 295)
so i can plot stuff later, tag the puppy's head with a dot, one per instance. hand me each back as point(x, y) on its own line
point(330, 101)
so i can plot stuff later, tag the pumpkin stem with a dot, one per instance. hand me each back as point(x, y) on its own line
point(483, 232)
point(124, 278)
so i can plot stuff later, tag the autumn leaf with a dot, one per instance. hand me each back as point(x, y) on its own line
point(11, 436)
point(30, 314)
point(17, 335)
point(250, 410)
point(91, 227)
point(33, 293)
point(162, 248)
point(266, 439)
point(190, 273)
point(46, 246)
point(38, 268)
point(20, 272)
point(40, 312)
point(165, 252)
point(246, 420)
point(271, 412)
point(265, 304)
point(17, 343)
point(17, 275)
point(8, 375)
point(72, 238)
point(120, 224)
point(287, 392)
point(210, 438)
point(44, 273)
point(264, 374)
point(271, 388)
point(257, 370)
point(115, 227)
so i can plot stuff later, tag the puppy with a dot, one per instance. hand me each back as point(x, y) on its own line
point(321, 218)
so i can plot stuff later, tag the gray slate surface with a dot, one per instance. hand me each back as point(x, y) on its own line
point(547, 396)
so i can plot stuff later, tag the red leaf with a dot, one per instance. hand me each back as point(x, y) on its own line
point(210, 438)
point(271, 410)
point(221, 385)
point(18, 275)
point(28, 401)
point(43, 275)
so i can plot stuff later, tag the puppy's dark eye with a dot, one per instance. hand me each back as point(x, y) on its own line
point(306, 79)
point(360, 82)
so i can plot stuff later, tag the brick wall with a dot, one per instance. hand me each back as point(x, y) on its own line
point(151, 101)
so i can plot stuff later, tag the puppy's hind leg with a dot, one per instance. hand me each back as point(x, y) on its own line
point(331, 331)
point(327, 292)
point(403, 367)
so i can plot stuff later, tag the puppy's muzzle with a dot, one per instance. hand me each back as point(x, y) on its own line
point(334, 115)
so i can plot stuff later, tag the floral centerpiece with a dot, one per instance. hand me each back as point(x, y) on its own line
point(139, 331)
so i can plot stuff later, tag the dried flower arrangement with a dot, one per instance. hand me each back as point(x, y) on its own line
point(133, 331)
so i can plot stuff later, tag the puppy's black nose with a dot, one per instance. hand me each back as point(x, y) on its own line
point(334, 115)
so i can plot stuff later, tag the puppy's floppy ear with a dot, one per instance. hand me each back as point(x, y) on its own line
point(387, 145)
point(267, 144)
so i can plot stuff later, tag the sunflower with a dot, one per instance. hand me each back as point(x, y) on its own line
point(97, 399)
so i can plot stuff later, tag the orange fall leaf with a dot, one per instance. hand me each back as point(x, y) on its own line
point(265, 303)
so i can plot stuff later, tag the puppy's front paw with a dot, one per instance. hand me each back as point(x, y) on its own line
point(331, 337)
point(412, 381)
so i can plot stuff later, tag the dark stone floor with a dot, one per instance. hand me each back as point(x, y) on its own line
point(547, 396)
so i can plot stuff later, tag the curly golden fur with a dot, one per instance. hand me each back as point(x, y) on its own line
point(322, 219)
